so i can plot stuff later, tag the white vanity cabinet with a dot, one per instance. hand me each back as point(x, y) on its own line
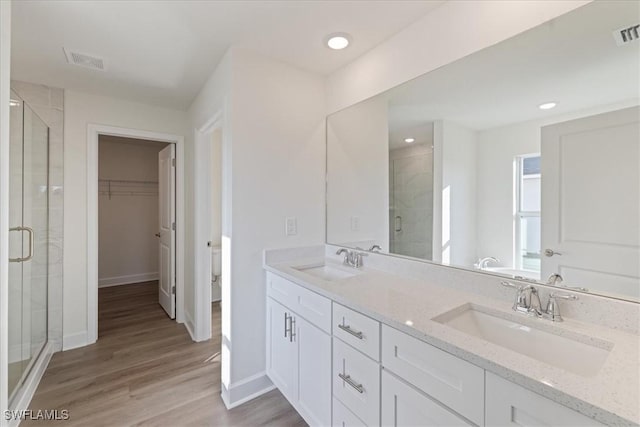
point(508, 404)
point(298, 351)
point(340, 367)
point(404, 405)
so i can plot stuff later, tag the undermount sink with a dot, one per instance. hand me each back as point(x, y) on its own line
point(327, 272)
point(580, 354)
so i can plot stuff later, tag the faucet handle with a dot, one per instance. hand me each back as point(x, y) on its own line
point(512, 285)
point(562, 296)
point(553, 311)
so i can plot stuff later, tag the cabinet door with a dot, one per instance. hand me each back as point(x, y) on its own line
point(314, 373)
point(281, 349)
point(508, 404)
point(403, 405)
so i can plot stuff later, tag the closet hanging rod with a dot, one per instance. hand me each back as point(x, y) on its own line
point(127, 181)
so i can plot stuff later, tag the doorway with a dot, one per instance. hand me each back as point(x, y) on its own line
point(170, 267)
point(136, 216)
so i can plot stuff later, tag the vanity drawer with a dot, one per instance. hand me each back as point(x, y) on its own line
point(315, 308)
point(356, 382)
point(508, 404)
point(454, 382)
point(342, 417)
point(404, 405)
point(358, 330)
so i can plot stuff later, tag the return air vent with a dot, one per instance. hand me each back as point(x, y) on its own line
point(84, 60)
point(627, 34)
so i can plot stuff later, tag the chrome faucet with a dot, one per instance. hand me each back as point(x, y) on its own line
point(351, 258)
point(484, 262)
point(528, 302)
point(556, 280)
point(375, 248)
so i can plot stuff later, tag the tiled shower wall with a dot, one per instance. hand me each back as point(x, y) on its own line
point(48, 103)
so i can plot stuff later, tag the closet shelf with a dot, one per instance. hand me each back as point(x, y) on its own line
point(126, 187)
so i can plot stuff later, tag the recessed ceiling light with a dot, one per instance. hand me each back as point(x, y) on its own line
point(338, 41)
point(547, 105)
point(409, 140)
point(14, 103)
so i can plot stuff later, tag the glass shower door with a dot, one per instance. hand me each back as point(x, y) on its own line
point(29, 241)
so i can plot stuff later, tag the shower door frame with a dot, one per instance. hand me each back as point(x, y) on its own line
point(31, 376)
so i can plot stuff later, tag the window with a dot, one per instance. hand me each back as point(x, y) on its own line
point(527, 244)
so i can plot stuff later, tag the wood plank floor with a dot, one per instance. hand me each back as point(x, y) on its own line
point(145, 370)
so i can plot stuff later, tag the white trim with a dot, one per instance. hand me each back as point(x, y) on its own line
point(249, 388)
point(28, 389)
point(188, 323)
point(79, 339)
point(93, 133)
point(5, 117)
point(106, 282)
point(202, 226)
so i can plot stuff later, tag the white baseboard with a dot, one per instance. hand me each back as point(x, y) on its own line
point(188, 323)
point(127, 280)
point(24, 396)
point(245, 390)
point(69, 342)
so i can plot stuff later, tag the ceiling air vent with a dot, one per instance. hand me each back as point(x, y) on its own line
point(627, 34)
point(84, 60)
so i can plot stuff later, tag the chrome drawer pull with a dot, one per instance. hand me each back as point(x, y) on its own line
point(348, 330)
point(347, 379)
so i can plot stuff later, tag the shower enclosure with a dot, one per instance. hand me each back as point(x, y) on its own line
point(28, 243)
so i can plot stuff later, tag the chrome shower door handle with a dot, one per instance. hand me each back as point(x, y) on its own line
point(31, 240)
point(398, 223)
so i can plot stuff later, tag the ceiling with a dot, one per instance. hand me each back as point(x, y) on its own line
point(162, 52)
point(572, 60)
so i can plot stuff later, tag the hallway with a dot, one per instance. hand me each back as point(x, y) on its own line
point(145, 370)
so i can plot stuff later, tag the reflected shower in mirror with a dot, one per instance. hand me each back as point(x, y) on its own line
point(519, 160)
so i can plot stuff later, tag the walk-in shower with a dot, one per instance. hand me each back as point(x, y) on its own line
point(28, 244)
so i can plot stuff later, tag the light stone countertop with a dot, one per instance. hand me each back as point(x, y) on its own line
point(611, 397)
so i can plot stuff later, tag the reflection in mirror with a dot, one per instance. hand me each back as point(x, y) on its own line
point(521, 160)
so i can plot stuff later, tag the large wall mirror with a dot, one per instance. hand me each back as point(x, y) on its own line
point(520, 160)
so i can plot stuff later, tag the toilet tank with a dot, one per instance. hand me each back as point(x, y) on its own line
point(216, 261)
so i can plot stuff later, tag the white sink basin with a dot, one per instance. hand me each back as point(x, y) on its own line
point(573, 352)
point(327, 272)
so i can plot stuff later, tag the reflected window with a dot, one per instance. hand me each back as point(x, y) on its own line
point(527, 236)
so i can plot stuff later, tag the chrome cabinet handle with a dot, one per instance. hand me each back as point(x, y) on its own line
point(347, 379)
point(348, 330)
point(31, 238)
point(550, 253)
point(292, 324)
point(286, 329)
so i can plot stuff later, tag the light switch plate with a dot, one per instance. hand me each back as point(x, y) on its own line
point(355, 223)
point(291, 226)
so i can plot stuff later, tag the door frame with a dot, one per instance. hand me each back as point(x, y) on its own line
point(202, 229)
point(93, 133)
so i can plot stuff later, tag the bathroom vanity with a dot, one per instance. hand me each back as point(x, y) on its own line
point(365, 346)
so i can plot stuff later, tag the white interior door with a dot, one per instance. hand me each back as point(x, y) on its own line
point(591, 201)
point(167, 198)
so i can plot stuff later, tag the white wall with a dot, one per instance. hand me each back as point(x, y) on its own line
point(82, 109)
point(358, 175)
point(496, 151)
point(128, 220)
point(454, 194)
point(450, 32)
point(273, 167)
point(278, 162)
point(5, 67)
